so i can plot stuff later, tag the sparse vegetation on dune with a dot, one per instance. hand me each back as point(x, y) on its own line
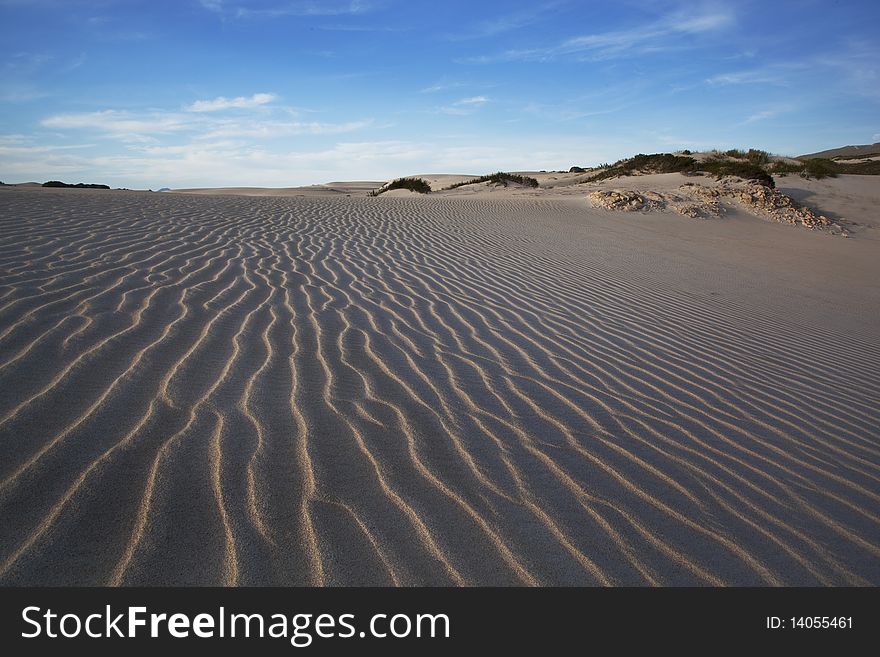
point(752, 164)
point(412, 184)
point(870, 168)
point(499, 178)
point(820, 167)
point(720, 164)
point(855, 157)
point(58, 183)
point(746, 170)
point(641, 163)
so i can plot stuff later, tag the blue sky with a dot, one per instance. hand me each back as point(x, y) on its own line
point(181, 93)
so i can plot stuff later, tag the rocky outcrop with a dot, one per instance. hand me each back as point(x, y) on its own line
point(627, 201)
point(703, 201)
point(777, 206)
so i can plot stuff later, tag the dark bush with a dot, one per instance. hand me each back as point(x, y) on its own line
point(499, 178)
point(869, 168)
point(783, 168)
point(577, 170)
point(819, 167)
point(58, 183)
point(412, 184)
point(745, 170)
point(756, 156)
point(656, 163)
point(667, 163)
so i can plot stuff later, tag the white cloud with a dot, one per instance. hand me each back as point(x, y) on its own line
point(278, 129)
point(765, 114)
point(441, 86)
point(223, 103)
point(464, 106)
point(200, 122)
point(125, 126)
point(474, 100)
point(290, 8)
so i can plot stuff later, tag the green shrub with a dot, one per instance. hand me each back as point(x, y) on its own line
point(499, 178)
point(759, 157)
point(783, 168)
point(856, 157)
point(869, 168)
point(717, 164)
point(656, 163)
point(735, 152)
point(819, 167)
point(412, 184)
point(745, 170)
point(58, 183)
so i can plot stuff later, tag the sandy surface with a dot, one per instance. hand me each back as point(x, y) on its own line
point(461, 389)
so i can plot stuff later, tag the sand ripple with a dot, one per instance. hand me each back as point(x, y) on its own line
point(207, 390)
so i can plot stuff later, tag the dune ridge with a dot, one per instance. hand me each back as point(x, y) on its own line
point(396, 391)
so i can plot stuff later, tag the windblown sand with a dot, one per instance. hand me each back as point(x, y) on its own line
point(277, 390)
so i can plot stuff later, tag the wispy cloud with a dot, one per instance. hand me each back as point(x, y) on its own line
point(442, 86)
point(223, 103)
point(16, 93)
point(464, 105)
point(758, 76)
point(508, 22)
point(238, 9)
point(25, 63)
point(203, 120)
point(766, 114)
point(278, 129)
point(126, 126)
point(473, 100)
point(651, 37)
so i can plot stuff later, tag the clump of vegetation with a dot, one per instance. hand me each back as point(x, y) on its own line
point(869, 168)
point(756, 156)
point(412, 184)
point(58, 183)
point(718, 165)
point(753, 155)
point(656, 163)
point(782, 168)
point(499, 178)
point(856, 157)
point(745, 170)
point(686, 152)
point(819, 167)
point(577, 170)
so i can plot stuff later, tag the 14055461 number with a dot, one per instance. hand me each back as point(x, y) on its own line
point(810, 623)
point(821, 622)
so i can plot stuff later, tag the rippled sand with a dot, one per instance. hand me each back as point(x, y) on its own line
point(233, 390)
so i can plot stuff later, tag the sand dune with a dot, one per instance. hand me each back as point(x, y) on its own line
point(456, 391)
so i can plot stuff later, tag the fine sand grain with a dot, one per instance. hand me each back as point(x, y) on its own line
point(204, 389)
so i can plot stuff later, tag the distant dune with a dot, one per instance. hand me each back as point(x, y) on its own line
point(488, 386)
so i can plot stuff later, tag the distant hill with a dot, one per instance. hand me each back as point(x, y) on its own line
point(845, 151)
